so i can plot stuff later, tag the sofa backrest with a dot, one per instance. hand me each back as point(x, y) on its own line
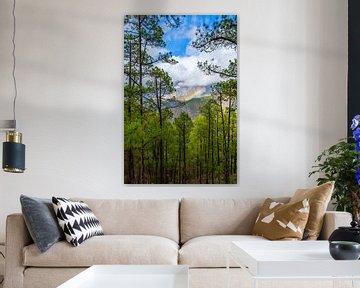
point(159, 217)
point(200, 217)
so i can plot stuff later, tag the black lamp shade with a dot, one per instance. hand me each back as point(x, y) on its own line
point(13, 157)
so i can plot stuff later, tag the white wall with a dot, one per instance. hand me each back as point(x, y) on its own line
point(293, 63)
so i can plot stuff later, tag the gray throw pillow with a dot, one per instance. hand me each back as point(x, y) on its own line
point(41, 221)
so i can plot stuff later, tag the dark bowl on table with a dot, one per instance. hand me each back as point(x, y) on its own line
point(344, 250)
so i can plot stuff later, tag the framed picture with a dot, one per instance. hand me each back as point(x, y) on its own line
point(180, 99)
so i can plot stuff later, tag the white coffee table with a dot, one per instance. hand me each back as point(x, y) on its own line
point(131, 276)
point(285, 260)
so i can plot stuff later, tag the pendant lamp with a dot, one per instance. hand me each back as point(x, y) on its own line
point(13, 160)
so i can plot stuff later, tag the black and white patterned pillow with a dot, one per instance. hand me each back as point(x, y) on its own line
point(77, 220)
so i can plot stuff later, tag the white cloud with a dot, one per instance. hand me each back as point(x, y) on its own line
point(182, 32)
point(154, 51)
point(190, 50)
point(187, 73)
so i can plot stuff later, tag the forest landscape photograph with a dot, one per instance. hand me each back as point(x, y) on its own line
point(180, 99)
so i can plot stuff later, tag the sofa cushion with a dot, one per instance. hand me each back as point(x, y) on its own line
point(41, 221)
point(158, 217)
point(107, 249)
point(279, 221)
point(77, 220)
point(211, 251)
point(200, 217)
point(319, 198)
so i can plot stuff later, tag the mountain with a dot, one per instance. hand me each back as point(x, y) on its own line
point(186, 93)
point(192, 99)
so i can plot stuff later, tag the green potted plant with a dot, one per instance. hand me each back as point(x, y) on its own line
point(341, 163)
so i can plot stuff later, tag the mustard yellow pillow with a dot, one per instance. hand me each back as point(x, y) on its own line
point(279, 221)
point(319, 198)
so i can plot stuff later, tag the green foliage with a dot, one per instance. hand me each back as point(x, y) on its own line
point(223, 34)
point(339, 163)
point(210, 68)
point(132, 134)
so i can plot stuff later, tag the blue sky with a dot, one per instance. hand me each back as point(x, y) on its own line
point(177, 40)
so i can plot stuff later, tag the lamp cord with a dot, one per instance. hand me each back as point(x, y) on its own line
point(14, 61)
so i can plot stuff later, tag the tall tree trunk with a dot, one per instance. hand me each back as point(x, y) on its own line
point(180, 154)
point(158, 94)
point(200, 168)
point(155, 173)
point(197, 163)
point(217, 139)
point(208, 147)
point(130, 156)
point(166, 169)
point(142, 163)
point(228, 137)
point(234, 148)
point(225, 152)
point(217, 145)
point(184, 152)
point(212, 156)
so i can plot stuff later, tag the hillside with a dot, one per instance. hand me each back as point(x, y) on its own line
point(192, 98)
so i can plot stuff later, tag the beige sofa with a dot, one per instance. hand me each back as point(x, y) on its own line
point(194, 232)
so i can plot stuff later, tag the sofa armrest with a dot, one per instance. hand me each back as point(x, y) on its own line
point(17, 237)
point(333, 220)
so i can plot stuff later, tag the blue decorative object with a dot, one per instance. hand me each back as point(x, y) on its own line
point(355, 122)
point(356, 134)
point(357, 176)
point(13, 153)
